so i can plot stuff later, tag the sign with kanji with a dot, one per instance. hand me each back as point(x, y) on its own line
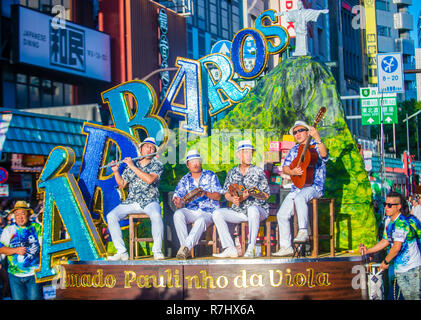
point(372, 102)
point(390, 73)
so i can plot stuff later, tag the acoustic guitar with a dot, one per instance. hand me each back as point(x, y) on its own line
point(306, 158)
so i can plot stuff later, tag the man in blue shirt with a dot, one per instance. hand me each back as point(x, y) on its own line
point(199, 211)
point(300, 197)
point(404, 252)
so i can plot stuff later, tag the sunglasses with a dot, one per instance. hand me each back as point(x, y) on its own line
point(389, 205)
point(299, 130)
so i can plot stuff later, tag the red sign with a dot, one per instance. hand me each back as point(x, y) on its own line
point(4, 175)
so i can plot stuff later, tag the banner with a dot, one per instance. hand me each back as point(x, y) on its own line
point(371, 39)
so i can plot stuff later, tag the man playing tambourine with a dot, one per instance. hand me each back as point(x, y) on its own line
point(204, 187)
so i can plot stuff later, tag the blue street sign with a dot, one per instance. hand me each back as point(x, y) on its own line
point(390, 73)
point(222, 46)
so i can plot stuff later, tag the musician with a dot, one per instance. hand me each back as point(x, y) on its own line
point(142, 179)
point(199, 211)
point(301, 131)
point(252, 209)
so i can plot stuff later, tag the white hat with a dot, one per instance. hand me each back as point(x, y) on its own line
point(192, 154)
point(298, 124)
point(245, 144)
point(150, 140)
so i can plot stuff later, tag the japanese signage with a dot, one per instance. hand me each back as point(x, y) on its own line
point(372, 102)
point(70, 48)
point(390, 73)
point(371, 39)
point(164, 51)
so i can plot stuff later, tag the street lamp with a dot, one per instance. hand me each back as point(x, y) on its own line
point(407, 131)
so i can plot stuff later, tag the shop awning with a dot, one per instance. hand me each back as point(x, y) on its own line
point(37, 134)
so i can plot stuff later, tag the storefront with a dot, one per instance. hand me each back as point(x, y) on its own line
point(26, 140)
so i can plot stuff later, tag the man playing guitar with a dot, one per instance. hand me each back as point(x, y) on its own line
point(299, 197)
point(196, 196)
point(251, 208)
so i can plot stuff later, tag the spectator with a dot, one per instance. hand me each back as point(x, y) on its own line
point(404, 252)
point(416, 208)
point(20, 243)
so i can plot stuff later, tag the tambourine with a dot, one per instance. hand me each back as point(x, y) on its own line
point(192, 195)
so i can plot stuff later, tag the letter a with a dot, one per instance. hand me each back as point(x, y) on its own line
point(62, 197)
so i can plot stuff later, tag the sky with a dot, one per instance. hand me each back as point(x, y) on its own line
point(414, 9)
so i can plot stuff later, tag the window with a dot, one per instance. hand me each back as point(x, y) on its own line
point(35, 92)
point(47, 5)
point(383, 5)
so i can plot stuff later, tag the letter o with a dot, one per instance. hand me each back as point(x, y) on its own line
point(110, 281)
point(237, 50)
point(299, 280)
point(218, 280)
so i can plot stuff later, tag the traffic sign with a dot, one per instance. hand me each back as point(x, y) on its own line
point(222, 46)
point(371, 101)
point(4, 175)
point(390, 73)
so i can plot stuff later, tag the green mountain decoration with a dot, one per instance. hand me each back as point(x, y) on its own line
point(295, 90)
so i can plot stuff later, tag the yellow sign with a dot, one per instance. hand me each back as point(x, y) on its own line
point(371, 39)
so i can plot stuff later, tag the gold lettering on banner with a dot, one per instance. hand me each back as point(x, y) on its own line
point(272, 280)
point(86, 280)
point(202, 280)
point(205, 279)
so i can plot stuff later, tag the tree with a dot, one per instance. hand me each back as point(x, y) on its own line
point(405, 107)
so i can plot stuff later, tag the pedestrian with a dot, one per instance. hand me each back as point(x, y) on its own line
point(404, 253)
point(20, 242)
point(416, 209)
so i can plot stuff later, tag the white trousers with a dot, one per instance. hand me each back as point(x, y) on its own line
point(221, 217)
point(153, 210)
point(299, 197)
point(200, 219)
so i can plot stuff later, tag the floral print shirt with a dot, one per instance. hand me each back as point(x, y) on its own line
point(254, 177)
point(140, 191)
point(208, 181)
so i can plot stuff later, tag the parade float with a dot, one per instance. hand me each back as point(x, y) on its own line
point(294, 90)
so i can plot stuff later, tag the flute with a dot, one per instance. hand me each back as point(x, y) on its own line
point(137, 158)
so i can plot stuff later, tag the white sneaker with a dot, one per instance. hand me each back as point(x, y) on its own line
point(302, 236)
point(158, 256)
point(249, 252)
point(119, 256)
point(230, 252)
point(283, 251)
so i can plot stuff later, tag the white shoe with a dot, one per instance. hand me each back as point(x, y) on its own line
point(302, 236)
point(119, 256)
point(283, 251)
point(158, 256)
point(249, 252)
point(230, 252)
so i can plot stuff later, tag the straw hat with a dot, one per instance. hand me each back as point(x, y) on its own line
point(192, 154)
point(22, 205)
point(298, 124)
point(150, 140)
point(245, 144)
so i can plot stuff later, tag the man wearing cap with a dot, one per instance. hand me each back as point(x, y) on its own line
point(20, 242)
point(252, 209)
point(142, 179)
point(300, 197)
point(198, 211)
